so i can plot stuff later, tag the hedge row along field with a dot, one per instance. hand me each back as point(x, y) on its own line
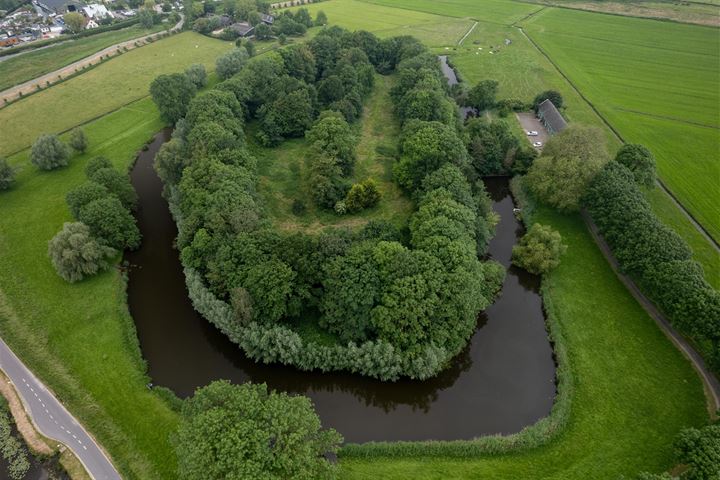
point(656, 83)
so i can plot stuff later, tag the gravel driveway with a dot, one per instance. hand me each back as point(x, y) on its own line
point(530, 122)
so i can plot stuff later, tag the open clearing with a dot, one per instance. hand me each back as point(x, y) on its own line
point(102, 89)
point(656, 83)
point(284, 172)
point(29, 65)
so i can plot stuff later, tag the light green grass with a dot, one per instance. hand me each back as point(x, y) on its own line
point(657, 84)
point(27, 66)
point(495, 11)
point(634, 391)
point(433, 30)
point(284, 172)
point(79, 338)
point(103, 88)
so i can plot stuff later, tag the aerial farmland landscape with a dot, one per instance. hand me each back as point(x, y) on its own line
point(360, 239)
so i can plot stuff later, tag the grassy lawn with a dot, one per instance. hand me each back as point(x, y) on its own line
point(27, 66)
point(79, 338)
point(284, 172)
point(102, 89)
point(633, 390)
point(670, 102)
point(384, 21)
point(494, 11)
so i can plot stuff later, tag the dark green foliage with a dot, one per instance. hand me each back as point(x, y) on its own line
point(329, 185)
point(482, 96)
point(197, 75)
point(289, 115)
point(172, 94)
point(331, 136)
point(640, 161)
point(110, 223)
point(83, 194)
point(492, 146)
point(298, 207)
point(270, 285)
point(49, 153)
point(250, 48)
point(362, 195)
point(75, 254)
point(170, 161)
point(539, 250)
point(7, 174)
point(654, 255)
point(117, 184)
point(321, 19)
point(95, 164)
point(263, 32)
point(427, 146)
point(231, 63)
point(568, 163)
point(12, 449)
point(524, 158)
point(211, 138)
point(245, 432)
point(699, 449)
point(299, 62)
point(551, 95)
point(78, 140)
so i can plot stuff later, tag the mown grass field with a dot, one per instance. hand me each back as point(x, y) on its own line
point(656, 83)
point(284, 172)
point(79, 338)
point(384, 21)
point(26, 66)
point(633, 390)
point(102, 89)
point(493, 11)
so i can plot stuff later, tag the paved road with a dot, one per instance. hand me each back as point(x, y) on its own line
point(53, 420)
point(710, 381)
point(30, 86)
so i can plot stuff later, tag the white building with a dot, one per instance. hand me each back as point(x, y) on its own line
point(96, 11)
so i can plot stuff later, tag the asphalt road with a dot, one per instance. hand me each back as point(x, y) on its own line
point(52, 419)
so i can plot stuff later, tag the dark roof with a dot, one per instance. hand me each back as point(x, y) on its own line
point(242, 28)
point(269, 19)
point(551, 117)
point(59, 5)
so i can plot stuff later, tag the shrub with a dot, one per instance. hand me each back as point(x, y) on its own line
point(75, 254)
point(362, 195)
point(111, 223)
point(197, 75)
point(78, 140)
point(7, 174)
point(551, 95)
point(539, 250)
point(246, 432)
point(49, 153)
point(298, 207)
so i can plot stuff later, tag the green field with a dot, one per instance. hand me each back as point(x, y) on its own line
point(26, 66)
point(657, 84)
point(433, 30)
point(284, 172)
point(633, 389)
point(102, 89)
point(493, 11)
point(79, 338)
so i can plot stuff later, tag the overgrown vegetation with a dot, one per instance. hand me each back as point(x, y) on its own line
point(12, 450)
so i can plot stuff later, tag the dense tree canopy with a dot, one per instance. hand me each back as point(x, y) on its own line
point(539, 250)
point(640, 161)
point(568, 163)
point(231, 63)
point(245, 433)
point(554, 96)
point(482, 95)
point(110, 223)
point(197, 75)
point(172, 94)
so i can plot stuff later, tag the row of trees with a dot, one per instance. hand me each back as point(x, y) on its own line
point(657, 258)
point(102, 207)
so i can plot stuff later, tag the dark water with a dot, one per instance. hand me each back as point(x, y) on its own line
point(502, 382)
point(452, 79)
point(38, 469)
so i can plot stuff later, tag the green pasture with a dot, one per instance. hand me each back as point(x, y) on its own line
point(633, 389)
point(102, 89)
point(494, 11)
point(79, 338)
point(284, 172)
point(657, 84)
point(384, 21)
point(26, 66)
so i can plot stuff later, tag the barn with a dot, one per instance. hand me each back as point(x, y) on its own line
point(551, 117)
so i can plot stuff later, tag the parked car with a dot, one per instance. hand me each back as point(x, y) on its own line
point(532, 133)
point(537, 144)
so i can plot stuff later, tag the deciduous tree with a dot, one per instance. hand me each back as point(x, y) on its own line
point(539, 250)
point(75, 254)
point(49, 153)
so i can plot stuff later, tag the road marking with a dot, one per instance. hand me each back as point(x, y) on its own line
point(84, 447)
point(74, 436)
point(31, 389)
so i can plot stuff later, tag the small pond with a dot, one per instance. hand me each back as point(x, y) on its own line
point(503, 381)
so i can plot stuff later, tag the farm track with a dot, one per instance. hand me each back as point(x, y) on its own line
point(698, 226)
point(711, 384)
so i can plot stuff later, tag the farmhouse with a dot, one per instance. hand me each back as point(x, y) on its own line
point(551, 117)
point(243, 29)
point(267, 19)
